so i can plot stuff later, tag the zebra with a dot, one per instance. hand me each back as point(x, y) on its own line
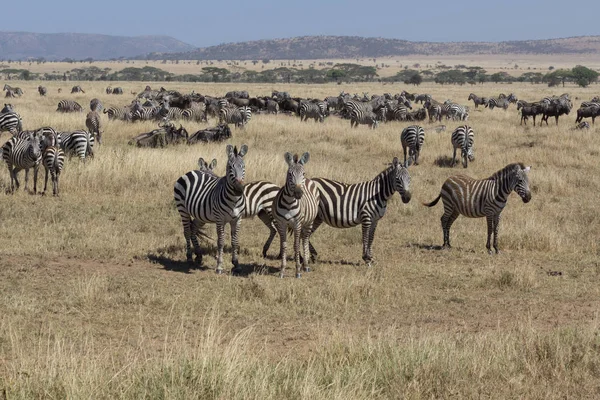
point(96, 105)
point(477, 198)
point(434, 109)
point(422, 98)
point(92, 122)
point(458, 112)
point(77, 143)
point(11, 122)
point(311, 110)
point(463, 138)
point(412, 137)
point(239, 116)
point(498, 102)
point(295, 208)
point(117, 90)
point(42, 90)
point(196, 112)
point(212, 200)
point(53, 158)
point(118, 113)
point(365, 203)
point(363, 118)
point(77, 89)
point(477, 100)
point(14, 91)
point(69, 106)
point(22, 153)
point(259, 197)
point(109, 90)
point(140, 113)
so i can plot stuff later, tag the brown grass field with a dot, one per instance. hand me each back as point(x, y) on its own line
point(96, 300)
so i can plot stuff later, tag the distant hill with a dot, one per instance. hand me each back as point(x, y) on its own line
point(348, 47)
point(79, 46)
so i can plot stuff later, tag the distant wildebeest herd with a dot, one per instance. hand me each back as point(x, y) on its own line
point(302, 204)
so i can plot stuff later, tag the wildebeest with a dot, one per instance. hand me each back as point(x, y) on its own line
point(216, 134)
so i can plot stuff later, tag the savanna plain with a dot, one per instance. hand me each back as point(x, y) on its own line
point(97, 301)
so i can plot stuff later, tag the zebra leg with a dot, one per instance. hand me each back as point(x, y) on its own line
point(313, 251)
point(282, 246)
point(55, 177)
point(220, 246)
point(369, 256)
point(36, 169)
point(235, 244)
point(297, 235)
point(490, 229)
point(187, 234)
point(195, 227)
point(46, 182)
point(26, 179)
point(447, 220)
point(454, 157)
point(266, 219)
point(304, 241)
point(496, 224)
point(404, 150)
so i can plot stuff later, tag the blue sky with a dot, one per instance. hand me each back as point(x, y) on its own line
point(206, 23)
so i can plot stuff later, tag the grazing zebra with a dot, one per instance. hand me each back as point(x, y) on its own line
point(69, 106)
point(77, 143)
point(11, 122)
point(196, 112)
point(109, 90)
point(53, 158)
point(92, 122)
point(239, 116)
point(463, 138)
point(345, 206)
point(311, 110)
point(42, 90)
point(477, 100)
point(212, 200)
point(458, 112)
point(358, 117)
point(295, 208)
point(117, 90)
point(118, 113)
point(422, 98)
point(22, 153)
point(259, 197)
point(412, 137)
point(476, 198)
point(96, 105)
point(141, 113)
point(77, 89)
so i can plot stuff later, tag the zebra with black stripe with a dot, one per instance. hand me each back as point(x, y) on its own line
point(344, 206)
point(92, 122)
point(96, 105)
point(212, 200)
point(77, 89)
point(118, 113)
point(78, 143)
point(476, 198)
point(463, 138)
point(141, 113)
point(412, 137)
point(14, 91)
point(69, 106)
point(239, 116)
point(477, 100)
point(10, 122)
point(295, 208)
point(358, 117)
point(458, 112)
point(259, 197)
point(311, 110)
point(22, 153)
point(53, 158)
point(42, 90)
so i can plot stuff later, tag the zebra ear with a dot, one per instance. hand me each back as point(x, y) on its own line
point(201, 163)
point(229, 151)
point(213, 164)
point(527, 169)
point(305, 158)
point(243, 150)
point(289, 158)
point(395, 162)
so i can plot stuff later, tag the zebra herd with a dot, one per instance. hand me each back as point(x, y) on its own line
point(303, 204)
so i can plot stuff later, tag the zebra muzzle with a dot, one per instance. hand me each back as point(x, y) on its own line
point(406, 197)
point(527, 197)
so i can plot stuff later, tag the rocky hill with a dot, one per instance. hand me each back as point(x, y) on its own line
point(79, 46)
point(348, 47)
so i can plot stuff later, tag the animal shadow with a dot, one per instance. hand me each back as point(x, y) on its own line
point(425, 246)
point(444, 162)
point(170, 264)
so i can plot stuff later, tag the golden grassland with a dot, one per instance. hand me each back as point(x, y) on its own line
point(391, 65)
point(96, 300)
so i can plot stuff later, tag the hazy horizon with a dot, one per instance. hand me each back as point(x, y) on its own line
point(209, 24)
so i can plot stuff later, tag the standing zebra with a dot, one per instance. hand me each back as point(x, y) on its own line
point(234, 115)
point(295, 208)
point(53, 158)
point(42, 90)
point(77, 143)
point(69, 106)
point(476, 198)
point(212, 200)
point(359, 117)
point(412, 137)
point(477, 100)
point(11, 122)
point(463, 138)
point(92, 122)
point(311, 110)
point(118, 113)
point(345, 206)
point(22, 153)
point(458, 112)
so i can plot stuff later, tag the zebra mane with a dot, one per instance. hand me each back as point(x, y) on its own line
point(509, 168)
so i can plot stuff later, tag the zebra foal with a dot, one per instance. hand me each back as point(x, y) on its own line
point(295, 208)
point(476, 198)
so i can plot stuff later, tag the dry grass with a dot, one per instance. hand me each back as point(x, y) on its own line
point(97, 302)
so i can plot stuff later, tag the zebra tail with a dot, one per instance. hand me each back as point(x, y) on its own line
point(434, 202)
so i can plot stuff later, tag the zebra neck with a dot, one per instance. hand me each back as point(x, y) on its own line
point(503, 189)
point(383, 186)
point(288, 196)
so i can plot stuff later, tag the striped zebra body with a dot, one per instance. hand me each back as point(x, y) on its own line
point(434, 109)
point(239, 116)
point(477, 100)
point(42, 90)
point(174, 113)
point(77, 89)
point(140, 113)
point(212, 200)
point(353, 106)
point(482, 198)
point(358, 117)
point(96, 105)
point(458, 112)
point(311, 110)
point(498, 102)
point(295, 208)
point(463, 138)
point(92, 122)
point(10, 122)
point(400, 113)
point(118, 113)
point(412, 137)
point(345, 206)
point(22, 153)
point(54, 160)
point(196, 112)
point(69, 106)
point(77, 143)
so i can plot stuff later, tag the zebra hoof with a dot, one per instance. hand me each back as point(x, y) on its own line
point(298, 275)
point(281, 275)
point(219, 271)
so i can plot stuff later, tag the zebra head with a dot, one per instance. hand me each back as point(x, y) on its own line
point(521, 182)
point(35, 142)
point(7, 108)
point(207, 168)
point(467, 154)
point(400, 179)
point(296, 178)
point(236, 168)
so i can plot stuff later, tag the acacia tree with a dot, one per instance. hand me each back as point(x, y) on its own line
point(583, 76)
